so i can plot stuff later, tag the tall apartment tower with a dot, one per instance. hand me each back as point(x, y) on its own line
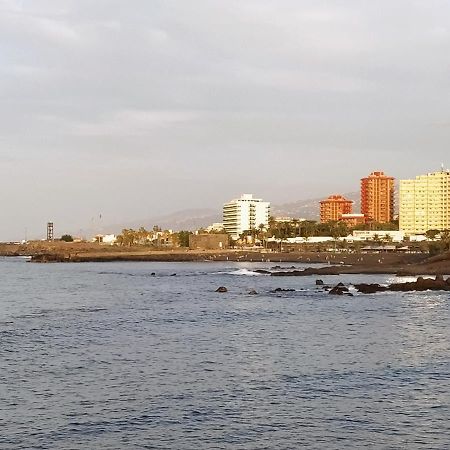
point(377, 197)
point(333, 207)
point(425, 203)
point(245, 213)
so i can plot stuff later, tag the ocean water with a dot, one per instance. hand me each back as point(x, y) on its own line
point(107, 356)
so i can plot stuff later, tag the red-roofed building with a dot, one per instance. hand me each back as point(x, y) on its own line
point(332, 208)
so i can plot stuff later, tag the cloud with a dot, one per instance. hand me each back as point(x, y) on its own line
point(232, 93)
point(24, 24)
point(132, 123)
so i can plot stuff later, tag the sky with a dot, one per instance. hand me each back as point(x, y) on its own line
point(133, 109)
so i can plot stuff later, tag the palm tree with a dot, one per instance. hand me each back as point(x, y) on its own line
point(262, 233)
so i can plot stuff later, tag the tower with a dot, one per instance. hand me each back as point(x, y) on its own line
point(245, 213)
point(377, 197)
point(425, 203)
point(50, 231)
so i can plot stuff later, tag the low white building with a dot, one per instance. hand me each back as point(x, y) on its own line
point(309, 240)
point(419, 238)
point(369, 235)
point(216, 226)
point(108, 239)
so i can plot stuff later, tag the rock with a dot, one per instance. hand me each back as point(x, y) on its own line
point(252, 292)
point(292, 273)
point(339, 289)
point(319, 283)
point(276, 267)
point(153, 274)
point(370, 288)
point(221, 289)
point(336, 291)
point(283, 290)
point(173, 275)
point(421, 284)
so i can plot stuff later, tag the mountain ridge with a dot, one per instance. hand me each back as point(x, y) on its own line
point(192, 219)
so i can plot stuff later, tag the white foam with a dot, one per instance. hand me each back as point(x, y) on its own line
point(242, 272)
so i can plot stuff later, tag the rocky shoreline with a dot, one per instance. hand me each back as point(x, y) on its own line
point(332, 263)
point(421, 284)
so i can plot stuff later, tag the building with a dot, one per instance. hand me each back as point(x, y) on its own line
point(382, 235)
point(245, 213)
point(353, 219)
point(333, 207)
point(377, 197)
point(207, 241)
point(425, 203)
point(214, 228)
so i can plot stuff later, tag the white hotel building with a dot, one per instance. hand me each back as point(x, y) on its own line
point(245, 213)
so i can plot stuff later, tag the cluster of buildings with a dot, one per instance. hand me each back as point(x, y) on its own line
point(423, 205)
point(377, 202)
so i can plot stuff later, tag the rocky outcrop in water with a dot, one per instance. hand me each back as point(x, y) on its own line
point(283, 290)
point(421, 284)
point(340, 289)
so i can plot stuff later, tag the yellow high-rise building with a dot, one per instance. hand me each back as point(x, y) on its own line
point(425, 203)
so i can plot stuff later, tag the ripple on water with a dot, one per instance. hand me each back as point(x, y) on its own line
point(108, 356)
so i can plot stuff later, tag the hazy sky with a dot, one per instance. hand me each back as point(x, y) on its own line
point(136, 108)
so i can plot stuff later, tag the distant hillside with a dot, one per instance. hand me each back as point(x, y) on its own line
point(189, 219)
point(192, 219)
point(309, 209)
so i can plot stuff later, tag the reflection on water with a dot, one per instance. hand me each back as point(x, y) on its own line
point(108, 356)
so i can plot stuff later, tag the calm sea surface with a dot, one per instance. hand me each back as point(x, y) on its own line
point(106, 356)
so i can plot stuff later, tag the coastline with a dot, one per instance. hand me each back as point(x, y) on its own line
point(335, 263)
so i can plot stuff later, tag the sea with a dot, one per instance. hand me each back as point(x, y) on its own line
point(143, 355)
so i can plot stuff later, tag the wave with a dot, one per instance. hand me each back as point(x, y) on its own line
point(240, 272)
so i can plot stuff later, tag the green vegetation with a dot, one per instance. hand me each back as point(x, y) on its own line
point(66, 238)
point(441, 245)
point(375, 226)
point(306, 229)
point(182, 238)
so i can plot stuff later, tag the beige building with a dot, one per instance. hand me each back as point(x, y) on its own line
point(425, 203)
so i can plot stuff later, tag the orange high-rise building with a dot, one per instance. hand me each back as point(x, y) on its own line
point(333, 207)
point(377, 197)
